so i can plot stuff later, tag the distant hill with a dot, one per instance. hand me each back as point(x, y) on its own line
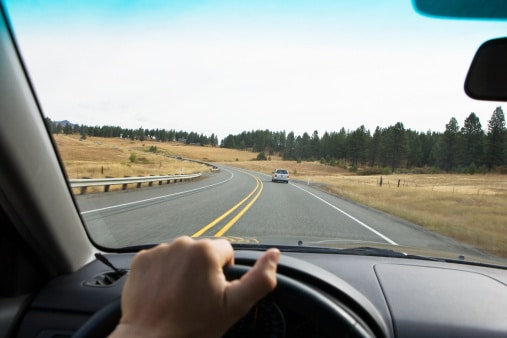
point(64, 123)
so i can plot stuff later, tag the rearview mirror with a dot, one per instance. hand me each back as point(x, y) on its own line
point(487, 76)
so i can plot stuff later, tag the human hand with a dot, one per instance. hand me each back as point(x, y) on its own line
point(179, 290)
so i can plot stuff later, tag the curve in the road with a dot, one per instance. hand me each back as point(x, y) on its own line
point(156, 198)
point(258, 188)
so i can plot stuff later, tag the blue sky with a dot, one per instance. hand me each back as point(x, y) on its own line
point(224, 66)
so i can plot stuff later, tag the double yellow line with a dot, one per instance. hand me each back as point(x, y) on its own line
point(258, 188)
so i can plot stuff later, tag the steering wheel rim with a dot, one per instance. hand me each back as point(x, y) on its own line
point(345, 323)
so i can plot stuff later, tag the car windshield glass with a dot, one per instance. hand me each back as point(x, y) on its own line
point(171, 118)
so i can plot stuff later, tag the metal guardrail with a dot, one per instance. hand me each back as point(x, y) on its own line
point(83, 183)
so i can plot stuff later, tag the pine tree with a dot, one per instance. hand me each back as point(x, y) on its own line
point(472, 142)
point(496, 139)
point(449, 147)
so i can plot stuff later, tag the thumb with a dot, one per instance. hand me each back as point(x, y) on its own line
point(242, 294)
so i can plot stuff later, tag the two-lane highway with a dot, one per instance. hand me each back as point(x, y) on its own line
point(247, 206)
point(157, 214)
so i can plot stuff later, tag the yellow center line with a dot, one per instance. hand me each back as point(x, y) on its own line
point(228, 212)
point(240, 214)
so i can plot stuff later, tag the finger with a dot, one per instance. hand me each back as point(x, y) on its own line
point(180, 242)
point(264, 270)
point(223, 251)
point(255, 284)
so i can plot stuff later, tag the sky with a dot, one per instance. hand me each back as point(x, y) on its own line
point(224, 67)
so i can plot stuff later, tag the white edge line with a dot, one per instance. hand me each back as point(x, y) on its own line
point(387, 239)
point(156, 198)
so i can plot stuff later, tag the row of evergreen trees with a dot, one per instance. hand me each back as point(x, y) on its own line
point(468, 148)
point(162, 135)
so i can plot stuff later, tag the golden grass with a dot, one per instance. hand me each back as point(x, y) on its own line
point(106, 157)
point(469, 208)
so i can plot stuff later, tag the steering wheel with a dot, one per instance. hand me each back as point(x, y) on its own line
point(337, 305)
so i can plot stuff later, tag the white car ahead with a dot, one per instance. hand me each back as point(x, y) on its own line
point(280, 175)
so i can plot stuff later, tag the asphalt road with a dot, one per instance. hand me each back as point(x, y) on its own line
point(247, 207)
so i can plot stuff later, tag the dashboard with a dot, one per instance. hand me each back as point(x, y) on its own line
point(318, 295)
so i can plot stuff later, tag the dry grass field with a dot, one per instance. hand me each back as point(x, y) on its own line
point(107, 157)
point(469, 208)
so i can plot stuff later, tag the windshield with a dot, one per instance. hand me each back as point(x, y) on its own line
point(172, 118)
